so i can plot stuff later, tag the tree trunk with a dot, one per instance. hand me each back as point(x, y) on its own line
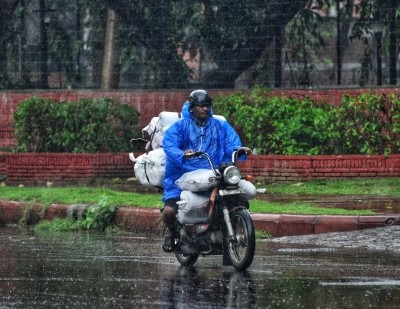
point(111, 64)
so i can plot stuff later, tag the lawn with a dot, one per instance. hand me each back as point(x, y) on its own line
point(92, 195)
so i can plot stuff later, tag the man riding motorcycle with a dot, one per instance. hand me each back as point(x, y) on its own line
point(197, 130)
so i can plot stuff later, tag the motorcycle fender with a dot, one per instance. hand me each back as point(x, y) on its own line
point(237, 208)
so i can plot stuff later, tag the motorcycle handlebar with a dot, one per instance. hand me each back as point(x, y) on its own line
point(237, 153)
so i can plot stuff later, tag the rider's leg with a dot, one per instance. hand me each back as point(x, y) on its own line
point(169, 217)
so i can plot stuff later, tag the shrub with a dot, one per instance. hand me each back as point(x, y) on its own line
point(88, 125)
point(366, 124)
point(279, 125)
point(100, 216)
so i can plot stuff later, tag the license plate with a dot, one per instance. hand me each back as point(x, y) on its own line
point(231, 192)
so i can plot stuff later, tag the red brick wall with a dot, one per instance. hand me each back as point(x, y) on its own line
point(269, 168)
point(2, 165)
point(149, 103)
point(38, 168)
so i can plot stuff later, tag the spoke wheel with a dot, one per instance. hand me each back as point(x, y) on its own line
point(185, 259)
point(242, 247)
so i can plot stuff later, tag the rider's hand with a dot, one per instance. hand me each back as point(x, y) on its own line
point(188, 154)
point(244, 150)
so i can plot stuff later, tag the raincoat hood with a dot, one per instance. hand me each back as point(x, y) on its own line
point(187, 112)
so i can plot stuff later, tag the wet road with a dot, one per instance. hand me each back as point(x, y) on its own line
point(79, 270)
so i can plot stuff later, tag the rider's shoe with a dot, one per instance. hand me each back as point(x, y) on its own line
point(169, 241)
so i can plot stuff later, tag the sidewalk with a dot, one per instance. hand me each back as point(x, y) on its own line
point(149, 220)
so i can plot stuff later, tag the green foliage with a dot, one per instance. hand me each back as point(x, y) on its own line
point(100, 216)
point(369, 124)
point(366, 124)
point(304, 40)
point(279, 125)
point(260, 234)
point(59, 225)
point(88, 125)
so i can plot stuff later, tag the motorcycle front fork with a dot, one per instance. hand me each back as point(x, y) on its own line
point(225, 257)
point(228, 223)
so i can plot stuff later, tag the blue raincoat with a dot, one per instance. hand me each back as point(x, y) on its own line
point(214, 136)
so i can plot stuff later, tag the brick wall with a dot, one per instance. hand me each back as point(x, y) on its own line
point(61, 169)
point(2, 165)
point(269, 168)
point(148, 103)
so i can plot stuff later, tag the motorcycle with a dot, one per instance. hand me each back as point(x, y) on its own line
point(229, 229)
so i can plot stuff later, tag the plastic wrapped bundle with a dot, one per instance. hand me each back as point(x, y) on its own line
point(193, 208)
point(198, 180)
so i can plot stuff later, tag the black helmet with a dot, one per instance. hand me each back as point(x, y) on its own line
point(200, 97)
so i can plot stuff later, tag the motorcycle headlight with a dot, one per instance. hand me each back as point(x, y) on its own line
point(232, 175)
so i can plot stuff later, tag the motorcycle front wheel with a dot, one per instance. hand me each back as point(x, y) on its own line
point(242, 247)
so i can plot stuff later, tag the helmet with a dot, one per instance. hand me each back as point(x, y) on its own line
point(200, 97)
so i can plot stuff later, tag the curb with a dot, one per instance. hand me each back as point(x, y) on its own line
point(149, 220)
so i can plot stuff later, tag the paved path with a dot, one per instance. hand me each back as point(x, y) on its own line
point(383, 239)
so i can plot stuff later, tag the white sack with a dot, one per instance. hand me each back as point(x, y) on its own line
point(150, 168)
point(168, 118)
point(149, 129)
point(159, 125)
point(220, 117)
point(194, 210)
point(198, 180)
point(248, 187)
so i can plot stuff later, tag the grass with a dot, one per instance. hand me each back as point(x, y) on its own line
point(78, 195)
point(92, 195)
point(357, 186)
point(297, 208)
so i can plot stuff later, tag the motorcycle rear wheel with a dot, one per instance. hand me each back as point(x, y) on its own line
point(186, 259)
point(183, 251)
point(241, 249)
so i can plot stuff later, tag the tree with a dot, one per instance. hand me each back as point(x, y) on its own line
point(236, 48)
point(160, 27)
point(379, 12)
point(6, 12)
point(231, 34)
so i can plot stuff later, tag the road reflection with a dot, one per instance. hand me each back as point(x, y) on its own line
point(189, 289)
point(83, 270)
